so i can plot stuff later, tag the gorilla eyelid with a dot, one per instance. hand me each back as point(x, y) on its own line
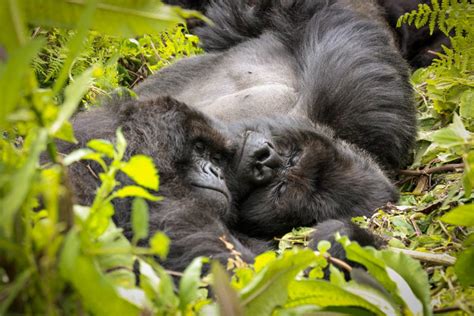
point(217, 158)
point(199, 146)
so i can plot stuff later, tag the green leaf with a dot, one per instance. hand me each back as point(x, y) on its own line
point(369, 259)
point(412, 303)
point(160, 244)
point(447, 137)
point(189, 284)
point(100, 219)
point(268, 289)
point(84, 275)
point(13, 76)
point(466, 104)
point(14, 31)
point(126, 18)
point(121, 143)
point(21, 280)
point(412, 273)
point(324, 246)
point(325, 294)
point(66, 133)
point(463, 267)
point(227, 300)
point(264, 259)
point(462, 215)
point(134, 191)
point(21, 183)
point(102, 146)
point(73, 95)
point(143, 171)
point(139, 219)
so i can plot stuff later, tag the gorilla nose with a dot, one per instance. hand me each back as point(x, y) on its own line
point(263, 158)
point(213, 171)
point(267, 156)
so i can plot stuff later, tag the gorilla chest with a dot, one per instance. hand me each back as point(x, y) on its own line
point(245, 83)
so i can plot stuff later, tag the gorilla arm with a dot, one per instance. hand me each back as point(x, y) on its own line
point(354, 81)
point(195, 230)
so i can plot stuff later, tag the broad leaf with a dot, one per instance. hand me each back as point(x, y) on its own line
point(139, 219)
point(462, 215)
point(160, 244)
point(143, 171)
point(325, 294)
point(13, 75)
point(268, 288)
point(463, 267)
point(102, 146)
point(189, 284)
point(227, 299)
point(135, 191)
point(21, 183)
point(84, 275)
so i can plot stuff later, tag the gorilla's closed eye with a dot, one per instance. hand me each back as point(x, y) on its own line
point(217, 158)
point(199, 147)
point(294, 158)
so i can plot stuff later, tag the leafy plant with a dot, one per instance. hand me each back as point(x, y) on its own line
point(61, 258)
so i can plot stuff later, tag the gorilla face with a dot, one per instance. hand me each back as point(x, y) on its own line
point(205, 174)
point(190, 150)
point(291, 173)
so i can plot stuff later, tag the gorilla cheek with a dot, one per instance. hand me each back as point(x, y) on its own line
point(208, 184)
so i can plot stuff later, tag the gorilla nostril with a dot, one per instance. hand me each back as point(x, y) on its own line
point(213, 171)
point(262, 154)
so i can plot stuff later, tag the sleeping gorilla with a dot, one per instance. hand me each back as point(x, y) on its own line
point(191, 152)
point(323, 60)
point(291, 173)
point(301, 60)
point(197, 168)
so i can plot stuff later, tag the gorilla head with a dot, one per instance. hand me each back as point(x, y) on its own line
point(189, 149)
point(290, 173)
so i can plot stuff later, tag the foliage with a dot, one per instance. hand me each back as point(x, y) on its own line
point(60, 258)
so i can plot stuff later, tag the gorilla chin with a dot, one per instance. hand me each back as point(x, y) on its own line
point(308, 176)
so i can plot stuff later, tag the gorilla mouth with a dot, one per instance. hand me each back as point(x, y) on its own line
point(216, 189)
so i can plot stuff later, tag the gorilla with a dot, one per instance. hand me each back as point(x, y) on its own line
point(200, 166)
point(416, 45)
point(318, 105)
point(319, 98)
point(191, 152)
point(322, 60)
point(291, 172)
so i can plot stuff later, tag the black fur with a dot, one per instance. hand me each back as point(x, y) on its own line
point(165, 130)
point(249, 18)
point(316, 177)
point(346, 76)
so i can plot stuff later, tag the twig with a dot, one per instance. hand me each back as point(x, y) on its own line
point(449, 167)
point(175, 273)
point(442, 259)
point(340, 263)
point(446, 310)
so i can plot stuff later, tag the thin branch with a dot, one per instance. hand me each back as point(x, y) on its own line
point(449, 167)
point(175, 273)
point(340, 263)
point(440, 259)
point(446, 310)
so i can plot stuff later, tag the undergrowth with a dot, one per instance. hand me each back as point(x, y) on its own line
point(63, 259)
